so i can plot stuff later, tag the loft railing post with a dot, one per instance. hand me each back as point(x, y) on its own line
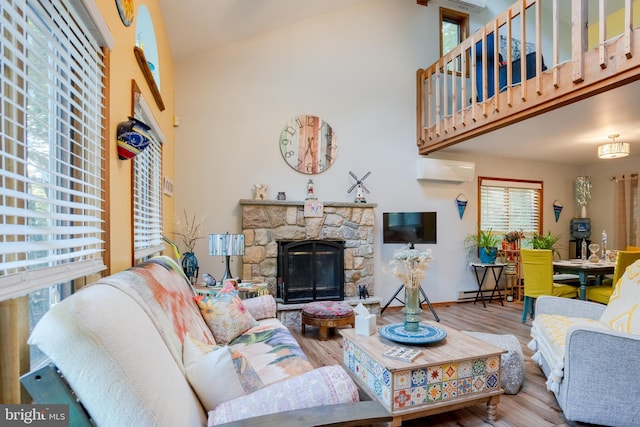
point(496, 67)
point(523, 53)
point(556, 42)
point(628, 26)
point(602, 35)
point(420, 122)
point(578, 38)
point(538, 47)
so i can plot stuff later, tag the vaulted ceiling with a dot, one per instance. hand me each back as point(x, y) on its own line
point(569, 135)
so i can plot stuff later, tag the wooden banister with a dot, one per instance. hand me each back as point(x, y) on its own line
point(453, 106)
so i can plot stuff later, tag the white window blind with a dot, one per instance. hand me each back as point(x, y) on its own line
point(51, 191)
point(507, 205)
point(147, 189)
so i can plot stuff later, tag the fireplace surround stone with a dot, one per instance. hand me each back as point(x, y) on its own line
point(265, 222)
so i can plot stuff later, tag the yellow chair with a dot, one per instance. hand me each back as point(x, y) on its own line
point(602, 293)
point(537, 271)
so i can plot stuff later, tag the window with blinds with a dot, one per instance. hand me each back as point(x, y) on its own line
point(147, 188)
point(51, 153)
point(510, 205)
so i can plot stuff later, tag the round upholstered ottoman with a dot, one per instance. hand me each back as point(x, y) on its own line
point(511, 362)
point(327, 315)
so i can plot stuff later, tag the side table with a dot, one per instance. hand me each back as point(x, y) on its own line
point(496, 270)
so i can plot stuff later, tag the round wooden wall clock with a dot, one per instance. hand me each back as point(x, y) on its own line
point(308, 144)
point(125, 9)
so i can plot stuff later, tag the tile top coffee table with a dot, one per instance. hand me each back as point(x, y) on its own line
point(455, 372)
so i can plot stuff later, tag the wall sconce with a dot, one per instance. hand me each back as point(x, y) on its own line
point(614, 149)
point(226, 245)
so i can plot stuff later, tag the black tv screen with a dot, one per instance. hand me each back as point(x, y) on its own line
point(409, 227)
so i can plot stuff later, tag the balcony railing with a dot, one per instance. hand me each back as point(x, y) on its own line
point(568, 55)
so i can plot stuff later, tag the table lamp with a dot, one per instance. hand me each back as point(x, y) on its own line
point(226, 245)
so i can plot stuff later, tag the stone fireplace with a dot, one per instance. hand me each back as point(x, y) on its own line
point(265, 223)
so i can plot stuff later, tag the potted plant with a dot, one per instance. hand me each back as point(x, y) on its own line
point(545, 241)
point(486, 243)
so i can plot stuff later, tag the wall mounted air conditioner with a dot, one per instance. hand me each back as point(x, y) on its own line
point(470, 6)
point(445, 170)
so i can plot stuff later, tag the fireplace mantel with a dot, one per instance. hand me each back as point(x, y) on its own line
point(301, 203)
point(265, 222)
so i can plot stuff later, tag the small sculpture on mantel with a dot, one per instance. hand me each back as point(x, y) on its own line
point(363, 292)
point(261, 191)
point(360, 188)
point(310, 193)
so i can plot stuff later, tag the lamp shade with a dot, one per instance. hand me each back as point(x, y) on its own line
point(226, 244)
point(613, 150)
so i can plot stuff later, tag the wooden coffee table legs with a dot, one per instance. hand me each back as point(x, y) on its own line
point(492, 410)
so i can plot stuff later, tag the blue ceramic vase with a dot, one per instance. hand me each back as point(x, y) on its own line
point(190, 266)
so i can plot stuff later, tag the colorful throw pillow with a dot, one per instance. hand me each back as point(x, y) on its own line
point(262, 307)
point(216, 373)
point(225, 314)
point(623, 311)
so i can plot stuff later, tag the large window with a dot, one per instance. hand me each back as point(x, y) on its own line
point(51, 149)
point(510, 205)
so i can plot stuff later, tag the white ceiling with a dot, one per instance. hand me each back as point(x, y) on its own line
point(195, 26)
point(568, 135)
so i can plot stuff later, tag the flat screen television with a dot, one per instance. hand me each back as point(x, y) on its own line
point(409, 227)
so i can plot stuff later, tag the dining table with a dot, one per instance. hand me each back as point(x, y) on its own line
point(584, 270)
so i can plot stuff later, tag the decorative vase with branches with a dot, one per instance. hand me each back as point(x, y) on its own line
point(189, 231)
point(410, 265)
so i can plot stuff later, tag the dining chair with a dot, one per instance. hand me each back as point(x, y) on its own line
point(537, 272)
point(602, 293)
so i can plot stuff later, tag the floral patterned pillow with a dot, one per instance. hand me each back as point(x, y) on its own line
point(225, 314)
point(217, 373)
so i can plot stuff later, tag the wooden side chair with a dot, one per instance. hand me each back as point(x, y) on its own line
point(537, 272)
point(602, 293)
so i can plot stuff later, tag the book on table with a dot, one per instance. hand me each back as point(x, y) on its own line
point(402, 353)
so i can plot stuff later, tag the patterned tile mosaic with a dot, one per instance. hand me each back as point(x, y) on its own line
point(424, 384)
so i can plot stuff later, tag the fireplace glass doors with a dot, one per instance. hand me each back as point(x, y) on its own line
point(310, 270)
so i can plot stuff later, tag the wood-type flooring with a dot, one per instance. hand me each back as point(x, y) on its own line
point(533, 406)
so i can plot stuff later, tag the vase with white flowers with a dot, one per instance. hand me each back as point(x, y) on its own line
point(410, 265)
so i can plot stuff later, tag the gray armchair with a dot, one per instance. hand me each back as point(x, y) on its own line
point(599, 382)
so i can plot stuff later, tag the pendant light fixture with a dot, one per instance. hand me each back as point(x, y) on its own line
point(614, 149)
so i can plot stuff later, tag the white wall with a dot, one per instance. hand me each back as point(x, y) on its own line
point(358, 73)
